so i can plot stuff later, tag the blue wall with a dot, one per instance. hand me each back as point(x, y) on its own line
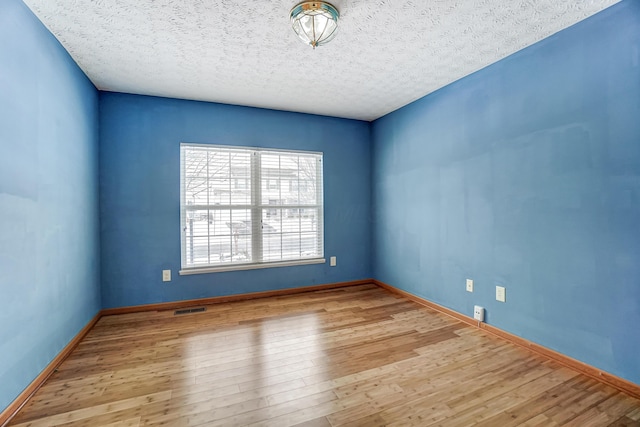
point(140, 194)
point(526, 174)
point(49, 260)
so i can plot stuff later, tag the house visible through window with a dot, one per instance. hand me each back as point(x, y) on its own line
point(241, 183)
point(249, 207)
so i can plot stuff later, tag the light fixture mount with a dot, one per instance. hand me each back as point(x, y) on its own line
point(315, 22)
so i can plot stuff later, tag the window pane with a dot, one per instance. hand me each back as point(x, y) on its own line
point(307, 177)
point(289, 234)
point(197, 222)
point(221, 238)
point(290, 245)
point(240, 175)
point(272, 247)
point(196, 250)
point(240, 196)
point(309, 220)
point(195, 163)
point(271, 240)
point(218, 187)
point(289, 179)
point(196, 191)
point(271, 221)
point(219, 164)
point(291, 223)
point(219, 191)
point(239, 226)
point(270, 181)
point(309, 245)
point(220, 249)
point(229, 178)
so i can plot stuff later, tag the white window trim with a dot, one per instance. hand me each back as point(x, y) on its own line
point(250, 266)
point(253, 265)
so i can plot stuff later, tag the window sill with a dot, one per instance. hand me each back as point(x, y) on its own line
point(240, 267)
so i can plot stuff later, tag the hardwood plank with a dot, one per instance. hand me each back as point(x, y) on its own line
point(619, 383)
point(317, 422)
point(355, 356)
point(92, 411)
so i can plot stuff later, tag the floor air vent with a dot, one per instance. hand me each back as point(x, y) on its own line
point(189, 310)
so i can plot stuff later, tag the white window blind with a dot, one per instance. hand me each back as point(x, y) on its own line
point(249, 207)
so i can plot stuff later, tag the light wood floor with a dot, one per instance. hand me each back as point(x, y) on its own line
point(356, 356)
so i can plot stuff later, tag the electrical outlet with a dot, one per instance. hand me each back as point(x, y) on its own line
point(478, 313)
point(166, 275)
point(332, 261)
point(501, 294)
point(469, 285)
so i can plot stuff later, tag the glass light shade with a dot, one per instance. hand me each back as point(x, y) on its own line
point(315, 22)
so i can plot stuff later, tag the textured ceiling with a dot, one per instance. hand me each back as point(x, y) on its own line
point(387, 53)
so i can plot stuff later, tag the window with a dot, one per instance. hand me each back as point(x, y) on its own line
point(273, 184)
point(240, 183)
point(294, 184)
point(234, 213)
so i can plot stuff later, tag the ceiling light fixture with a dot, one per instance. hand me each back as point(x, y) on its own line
point(315, 22)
